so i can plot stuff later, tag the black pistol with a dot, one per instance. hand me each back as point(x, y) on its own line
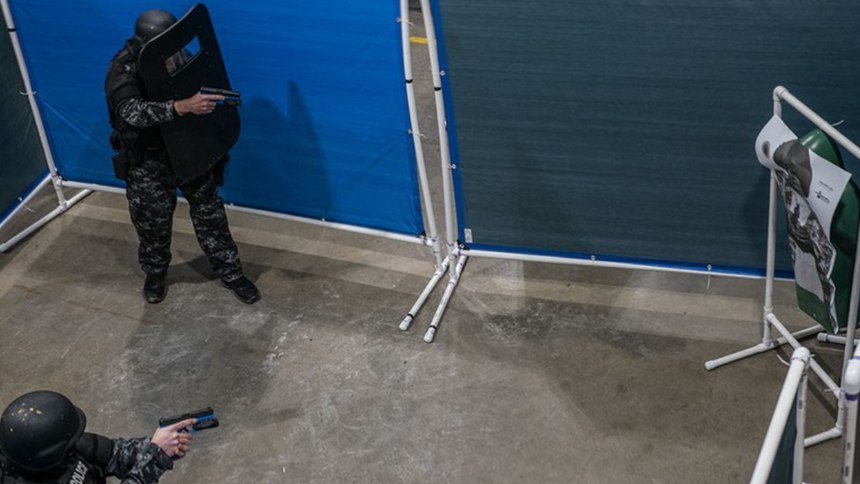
point(206, 419)
point(232, 98)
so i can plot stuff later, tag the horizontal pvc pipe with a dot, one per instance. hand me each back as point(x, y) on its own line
point(294, 218)
point(829, 338)
point(23, 203)
point(781, 92)
point(831, 434)
point(759, 348)
point(739, 355)
point(414, 239)
point(94, 187)
point(42, 221)
point(596, 263)
point(784, 406)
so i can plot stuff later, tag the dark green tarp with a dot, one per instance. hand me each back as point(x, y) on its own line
point(626, 128)
point(782, 471)
point(22, 161)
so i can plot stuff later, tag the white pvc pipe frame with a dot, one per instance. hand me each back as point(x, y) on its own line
point(769, 319)
point(430, 240)
point(793, 395)
point(453, 257)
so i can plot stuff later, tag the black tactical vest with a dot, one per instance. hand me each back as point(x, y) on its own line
point(84, 465)
point(121, 83)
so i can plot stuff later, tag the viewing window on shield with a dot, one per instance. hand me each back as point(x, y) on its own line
point(178, 60)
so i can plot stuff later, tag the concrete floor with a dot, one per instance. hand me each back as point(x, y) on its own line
point(539, 373)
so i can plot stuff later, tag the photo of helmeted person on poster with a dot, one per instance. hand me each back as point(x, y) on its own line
point(812, 253)
point(815, 199)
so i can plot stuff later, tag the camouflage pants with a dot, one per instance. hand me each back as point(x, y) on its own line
point(151, 192)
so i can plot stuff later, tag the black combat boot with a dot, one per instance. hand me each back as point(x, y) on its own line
point(154, 288)
point(244, 289)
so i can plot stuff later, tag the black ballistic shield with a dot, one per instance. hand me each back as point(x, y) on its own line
point(175, 65)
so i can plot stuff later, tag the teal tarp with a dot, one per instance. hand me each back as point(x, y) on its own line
point(22, 161)
point(626, 128)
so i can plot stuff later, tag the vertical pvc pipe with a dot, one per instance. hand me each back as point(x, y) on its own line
point(416, 133)
point(853, 306)
point(441, 121)
point(785, 403)
point(849, 356)
point(766, 336)
point(800, 422)
point(771, 239)
point(851, 390)
point(430, 213)
point(31, 95)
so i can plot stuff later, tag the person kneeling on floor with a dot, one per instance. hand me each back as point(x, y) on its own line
point(42, 440)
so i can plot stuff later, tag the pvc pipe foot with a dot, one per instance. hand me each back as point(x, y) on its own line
point(430, 335)
point(406, 323)
point(833, 433)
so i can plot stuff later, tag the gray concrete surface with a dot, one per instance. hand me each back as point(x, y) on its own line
point(539, 374)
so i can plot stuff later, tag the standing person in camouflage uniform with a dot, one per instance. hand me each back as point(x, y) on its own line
point(42, 440)
point(142, 161)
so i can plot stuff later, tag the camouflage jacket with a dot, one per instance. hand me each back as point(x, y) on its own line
point(133, 117)
point(133, 461)
point(137, 461)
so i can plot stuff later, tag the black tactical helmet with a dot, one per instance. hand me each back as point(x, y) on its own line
point(151, 23)
point(38, 429)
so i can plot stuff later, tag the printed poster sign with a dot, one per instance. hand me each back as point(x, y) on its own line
point(812, 189)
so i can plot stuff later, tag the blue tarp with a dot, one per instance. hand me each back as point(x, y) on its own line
point(325, 124)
